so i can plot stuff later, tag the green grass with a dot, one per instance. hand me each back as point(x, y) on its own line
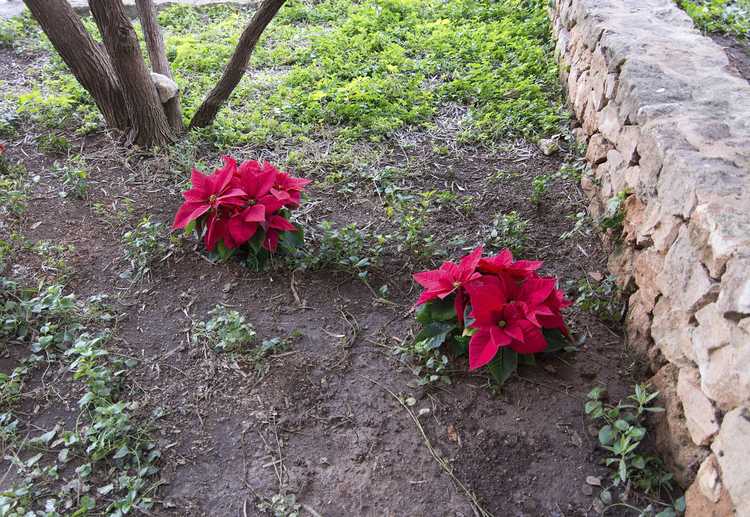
point(361, 70)
point(723, 16)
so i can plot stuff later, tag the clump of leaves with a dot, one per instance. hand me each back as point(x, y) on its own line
point(507, 231)
point(430, 363)
point(74, 179)
point(614, 214)
point(54, 258)
point(621, 433)
point(225, 331)
point(349, 247)
point(53, 144)
point(145, 245)
point(539, 186)
point(726, 16)
point(604, 299)
point(281, 505)
point(13, 189)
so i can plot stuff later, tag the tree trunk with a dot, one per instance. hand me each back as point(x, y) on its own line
point(148, 121)
point(237, 64)
point(85, 58)
point(158, 56)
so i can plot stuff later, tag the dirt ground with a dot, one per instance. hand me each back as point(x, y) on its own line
point(322, 423)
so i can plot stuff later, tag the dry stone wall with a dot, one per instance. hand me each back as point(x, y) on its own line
point(667, 123)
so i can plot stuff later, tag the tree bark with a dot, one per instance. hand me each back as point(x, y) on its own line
point(158, 57)
point(237, 64)
point(85, 58)
point(148, 121)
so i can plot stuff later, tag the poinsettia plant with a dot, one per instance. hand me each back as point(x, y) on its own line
point(499, 310)
point(245, 206)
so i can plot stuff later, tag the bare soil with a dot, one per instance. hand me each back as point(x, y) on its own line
point(321, 423)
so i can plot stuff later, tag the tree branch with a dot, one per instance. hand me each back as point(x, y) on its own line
point(237, 64)
point(158, 57)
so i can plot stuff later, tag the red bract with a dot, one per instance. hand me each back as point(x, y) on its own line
point(235, 202)
point(510, 303)
point(450, 278)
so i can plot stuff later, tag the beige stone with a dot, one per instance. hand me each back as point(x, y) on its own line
point(632, 176)
point(610, 86)
point(673, 441)
point(709, 479)
point(722, 353)
point(582, 94)
point(647, 266)
point(718, 230)
point(672, 332)
point(634, 216)
point(732, 450)
point(597, 150)
point(734, 299)
point(627, 143)
point(698, 505)
point(683, 278)
point(699, 412)
point(609, 125)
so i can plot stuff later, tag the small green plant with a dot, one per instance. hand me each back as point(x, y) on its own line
point(13, 188)
point(225, 331)
point(621, 433)
point(54, 144)
point(507, 231)
point(350, 248)
point(602, 299)
point(429, 363)
point(581, 227)
point(539, 186)
point(614, 215)
point(145, 245)
point(54, 258)
point(74, 179)
point(281, 505)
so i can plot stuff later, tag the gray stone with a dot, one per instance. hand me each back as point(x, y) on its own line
point(734, 299)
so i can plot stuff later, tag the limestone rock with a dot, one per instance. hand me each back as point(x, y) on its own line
point(683, 278)
point(597, 150)
point(165, 86)
point(647, 266)
point(732, 450)
point(718, 230)
point(672, 332)
point(698, 505)
point(548, 146)
point(699, 412)
point(709, 479)
point(722, 353)
point(734, 299)
point(673, 441)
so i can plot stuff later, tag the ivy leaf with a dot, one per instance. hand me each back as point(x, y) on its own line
point(435, 334)
point(503, 365)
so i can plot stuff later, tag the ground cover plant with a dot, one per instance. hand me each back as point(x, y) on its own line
point(291, 387)
point(724, 16)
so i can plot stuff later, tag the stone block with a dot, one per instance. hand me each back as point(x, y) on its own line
point(719, 230)
point(722, 352)
point(734, 299)
point(732, 450)
point(597, 150)
point(672, 332)
point(700, 414)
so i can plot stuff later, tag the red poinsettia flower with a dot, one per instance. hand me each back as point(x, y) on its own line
point(498, 321)
point(276, 224)
point(556, 302)
point(209, 193)
point(286, 188)
point(502, 264)
point(450, 278)
point(534, 294)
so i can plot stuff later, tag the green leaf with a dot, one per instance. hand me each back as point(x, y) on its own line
point(423, 314)
point(189, 228)
point(591, 406)
point(623, 470)
point(435, 334)
point(503, 365)
point(622, 425)
point(442, 310)
point(556, 340)
point(605, 496)
point(679, 504)
point(293, 241)
point(121, 452)
point(606, 435)
point(526, 359)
